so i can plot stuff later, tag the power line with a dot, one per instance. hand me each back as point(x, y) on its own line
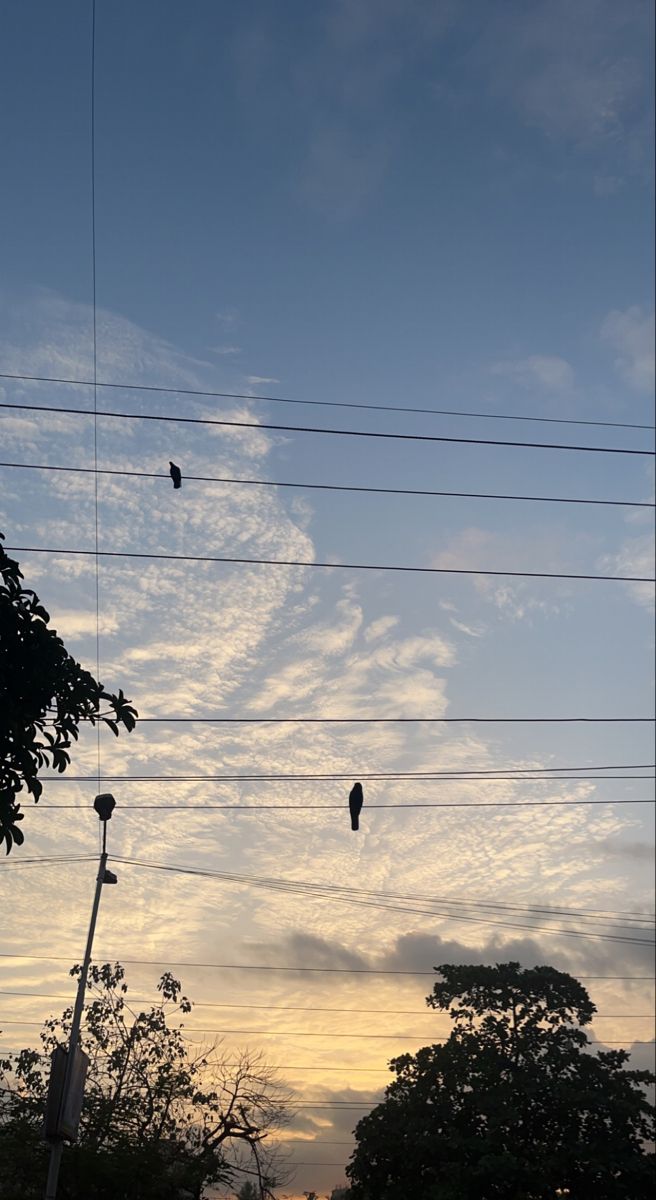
point(333, 487)
point(156, 962)
point(314, 429)
point(317, 1142)
point(92, 131)
point(470, 773)
point(332, 778)
point(280, 562)
point(584, 914)
point(245, 809)
point(338, 895)
point(396, 1012)
point(437, 412)
point(378, 1037)
point(395, 720)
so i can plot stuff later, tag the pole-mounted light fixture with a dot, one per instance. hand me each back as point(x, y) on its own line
point(69, 1066)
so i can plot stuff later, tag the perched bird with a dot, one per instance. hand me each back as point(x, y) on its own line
point(356, 800)
point(176, 475)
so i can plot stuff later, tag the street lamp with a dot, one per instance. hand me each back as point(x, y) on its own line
point(68, 1067)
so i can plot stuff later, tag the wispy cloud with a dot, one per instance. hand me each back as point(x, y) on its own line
point(550, 373)
point(630, 333)
point(578, 72)
point(225, 351)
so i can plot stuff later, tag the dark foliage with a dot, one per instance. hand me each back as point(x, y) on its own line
point(512, 1106)
point(44, 696)
point(162, 1119)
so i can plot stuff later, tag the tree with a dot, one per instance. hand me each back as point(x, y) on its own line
point(247, 1191)
point(158, 1122)
point(512, 1106)
point(44, 696)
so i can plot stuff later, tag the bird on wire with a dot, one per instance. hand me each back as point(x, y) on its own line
point(176, 475)
point(356, 800)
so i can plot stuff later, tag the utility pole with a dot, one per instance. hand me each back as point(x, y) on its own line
point(68, 1067)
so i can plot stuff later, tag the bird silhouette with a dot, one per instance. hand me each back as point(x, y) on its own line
point(356, 800)
point(176, 475)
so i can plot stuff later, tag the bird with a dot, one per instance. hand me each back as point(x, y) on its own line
point(176, 475)
point(356, 800)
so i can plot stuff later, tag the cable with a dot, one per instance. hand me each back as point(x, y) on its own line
point(314, 429)
point(280, 562)
point(324, 403)
point(245, 809)
point(395, 720)
point(315, 1142)
point(586, 914)
point(397, 1012)
point(156, 962)
point(335, 895)
point(379, 1037)
point(464, 772)
point(439, 412)
point(332, 487)
point(95, 358)
point(331, 778)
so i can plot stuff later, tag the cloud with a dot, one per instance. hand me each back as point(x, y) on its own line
point(342, 170)
point(474, 547)
point(577, 72)
point(547, 372)
point(379, 628)
point(630, 333)
point(204, 639)
point(638, 851)
point(475, 631)
point(224, 351)
point(635, 557)
point(227, 317)
point(362, 50)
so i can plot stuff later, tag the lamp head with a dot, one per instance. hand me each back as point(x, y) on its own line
point(104, 805)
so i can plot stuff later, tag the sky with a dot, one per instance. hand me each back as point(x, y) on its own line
point(402, 203)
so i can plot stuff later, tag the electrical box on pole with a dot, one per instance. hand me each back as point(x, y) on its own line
point(63, 1107)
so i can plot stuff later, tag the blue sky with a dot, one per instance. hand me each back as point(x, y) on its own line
point(410, 204)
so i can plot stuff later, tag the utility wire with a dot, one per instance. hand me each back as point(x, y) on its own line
point(244, 809)
point(469, 773)
point(314, 429)
point(378, 1037)
point(395, 720)
point(334, 566)
point(439, 412)
point(584, 914)
point(418, 1012)
point(332, 487)
point(331, 778)
point(336, 896)
point(92, 131)
point(156, 962)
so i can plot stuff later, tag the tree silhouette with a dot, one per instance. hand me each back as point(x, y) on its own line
point(158, 1122)
point(44, 696)
point(512, 1105)
point(247, 1191)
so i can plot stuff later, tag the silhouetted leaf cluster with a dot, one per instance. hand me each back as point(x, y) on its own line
point(44, 696)
point(513, 1106)
point(162, 1118)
